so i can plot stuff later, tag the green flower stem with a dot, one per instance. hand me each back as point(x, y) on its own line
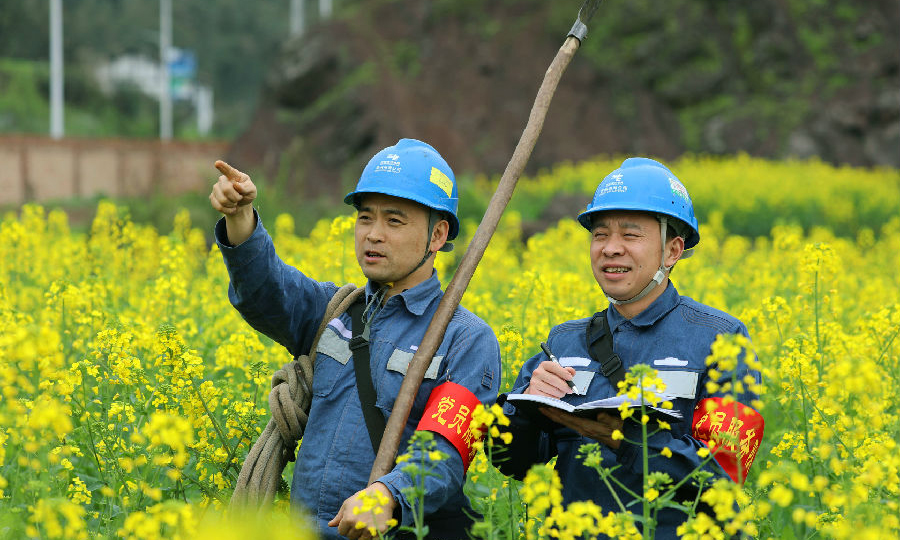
point(696, 503)
point(513, 528)
point(228, 460)
point(206, 491)
point(489, 511)
point(92, 446)
point(648, 528)
point(816, 310)
point(605, 476)
point(419, 509)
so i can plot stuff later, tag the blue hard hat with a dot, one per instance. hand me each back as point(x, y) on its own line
point(645, 185)
point(413, 170)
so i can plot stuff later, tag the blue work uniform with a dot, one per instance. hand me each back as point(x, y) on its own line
point(673, 335)
point(336, 455)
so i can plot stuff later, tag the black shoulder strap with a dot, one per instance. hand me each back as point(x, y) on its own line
point(600, 346)
point(359, 346)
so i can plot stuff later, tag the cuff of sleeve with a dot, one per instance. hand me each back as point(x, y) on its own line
point(396, 481)
point(221, 233)
point(238, 256)
point(508, 408)
point(628, 452)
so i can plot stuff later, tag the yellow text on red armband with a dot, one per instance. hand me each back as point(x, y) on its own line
point(732, 431)
point(448, 413)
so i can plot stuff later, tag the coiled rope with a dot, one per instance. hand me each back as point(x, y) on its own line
point(289, 402)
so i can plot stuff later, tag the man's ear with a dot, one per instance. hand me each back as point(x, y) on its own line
point(439, 235)
point(674, 249)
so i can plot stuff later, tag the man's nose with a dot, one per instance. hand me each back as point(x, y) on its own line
point(613, 246)
point(376, 231)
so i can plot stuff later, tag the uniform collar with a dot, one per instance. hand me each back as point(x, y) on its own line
point(416, 299)
point(654, 312)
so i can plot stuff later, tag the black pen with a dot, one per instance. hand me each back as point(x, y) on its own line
point(553, 358)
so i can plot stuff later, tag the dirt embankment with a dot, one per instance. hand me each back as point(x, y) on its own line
point(701, 77)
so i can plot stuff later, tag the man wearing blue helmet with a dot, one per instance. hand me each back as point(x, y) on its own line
point(641, 221)
point(406, 201)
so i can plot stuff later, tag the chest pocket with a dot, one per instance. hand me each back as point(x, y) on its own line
point(585, 369)
point(680, 384)
point(392, 377)
point(332, 355)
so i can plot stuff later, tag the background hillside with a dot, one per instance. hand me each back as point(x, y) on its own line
point(771, 78)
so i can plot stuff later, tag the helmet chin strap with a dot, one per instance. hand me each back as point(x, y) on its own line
point(433, 218)
point(658, 277)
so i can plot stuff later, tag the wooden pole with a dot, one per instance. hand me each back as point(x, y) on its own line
point(434, 335)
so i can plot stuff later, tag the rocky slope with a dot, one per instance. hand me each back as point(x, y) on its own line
point(775, 78)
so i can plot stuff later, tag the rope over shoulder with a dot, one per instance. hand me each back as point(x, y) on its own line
point(289, 403)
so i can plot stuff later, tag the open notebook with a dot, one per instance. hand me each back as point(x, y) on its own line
point(530, 403)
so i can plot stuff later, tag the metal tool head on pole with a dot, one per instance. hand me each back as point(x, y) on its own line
point(579, 29)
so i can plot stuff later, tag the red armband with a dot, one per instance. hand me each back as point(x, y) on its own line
point(448, 413)
point(732, 431)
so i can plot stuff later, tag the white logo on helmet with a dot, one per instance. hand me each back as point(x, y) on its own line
point(678, 189)
point(612, 184)
point(391, 164)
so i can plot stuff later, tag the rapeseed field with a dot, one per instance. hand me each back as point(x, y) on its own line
point(130, 390)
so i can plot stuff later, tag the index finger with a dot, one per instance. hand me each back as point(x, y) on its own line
point(558, 370)
point(233, 174)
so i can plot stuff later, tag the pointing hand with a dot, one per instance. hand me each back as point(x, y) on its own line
point(233, 191)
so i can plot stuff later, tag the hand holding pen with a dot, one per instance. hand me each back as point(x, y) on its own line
point(554, 359)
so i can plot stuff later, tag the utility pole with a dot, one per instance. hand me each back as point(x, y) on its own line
point(298, 13)
point(165, 43)
point(203, 101)
point(57, 119)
